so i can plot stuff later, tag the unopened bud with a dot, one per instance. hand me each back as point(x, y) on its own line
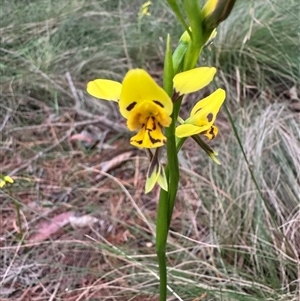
point(180, 51)
point(185, 37)
point(216, 11)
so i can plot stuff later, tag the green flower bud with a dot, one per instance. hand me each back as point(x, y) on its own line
point(180, 51)
point(216, 11)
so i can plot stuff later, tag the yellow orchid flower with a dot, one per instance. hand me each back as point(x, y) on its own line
point(203, 116)
point(145, 105)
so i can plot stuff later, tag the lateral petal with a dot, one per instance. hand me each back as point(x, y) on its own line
point(212, 102)
point(105, 89)
point(187, 130)
point(193, 80)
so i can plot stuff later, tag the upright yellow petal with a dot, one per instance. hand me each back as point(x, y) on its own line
point(210, 104)
point(138, 87)
point(193, 80)
point(105, 89)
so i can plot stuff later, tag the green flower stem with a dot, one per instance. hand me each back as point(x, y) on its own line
point(161, 241)
point(172, 174)
point(167, 198)
point(193, 12)
point(172, 169)
point(166, 203)
point(174, 6)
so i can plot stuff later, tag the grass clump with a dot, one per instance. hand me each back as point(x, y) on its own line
point(256, 49)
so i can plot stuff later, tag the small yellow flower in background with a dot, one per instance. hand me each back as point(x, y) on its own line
point(4, 180)
point(203, 116)
point(144, 9)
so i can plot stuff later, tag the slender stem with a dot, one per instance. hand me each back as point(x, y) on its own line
point(236, 134)
point(172, 174)
point(161, 240)
point(172, 169)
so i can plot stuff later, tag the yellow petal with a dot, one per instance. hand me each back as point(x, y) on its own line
point(193, 80)
point(8, 179)
point(105, 89)
point(138, 87)
point(206, 110)
point(2, 183)
point(187, 130)
point(212, 102)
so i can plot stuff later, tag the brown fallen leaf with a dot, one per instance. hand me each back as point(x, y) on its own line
point(46, 228)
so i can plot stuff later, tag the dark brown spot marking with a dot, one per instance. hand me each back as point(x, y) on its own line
point(158, 103)
point(212, 133)
point(153, 124)
point(210, 117)
point(198, 111)
point(138, 141)
point(153, 141)
point(131, 106)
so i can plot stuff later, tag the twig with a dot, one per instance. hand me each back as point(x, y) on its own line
point(73, 90)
